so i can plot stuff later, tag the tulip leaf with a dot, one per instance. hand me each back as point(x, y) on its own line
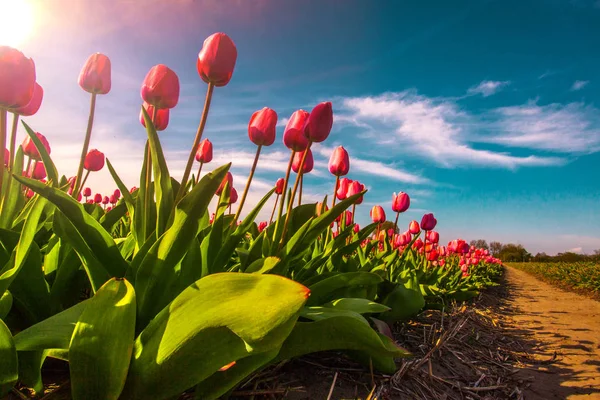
point(102, 343)
point(404, 303)
point(51, 170)
point(9, 366)
point(124, 190)
point(325, 290)
point(360, 306)
point(13, 198)
point(6, 302)
point(219, 319)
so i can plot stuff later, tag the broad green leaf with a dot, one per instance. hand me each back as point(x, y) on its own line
point(162, 180)
point(263, 265)
point(51, 171)
point(322, 291)
point(220, 319)
point(30, 370)
point(403, 302)
point(102, 343)
point(360, 306)
point(156, 279)
point(9, 365)
point(95, 236)
point(124, 189)
point(13, 198)
point(6, 302)
point(318, 313)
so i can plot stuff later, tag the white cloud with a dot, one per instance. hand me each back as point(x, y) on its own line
point(576, 250)
point(429, 127)
point(578, 85)
point(488, 88)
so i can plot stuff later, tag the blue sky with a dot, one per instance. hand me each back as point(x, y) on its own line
point(485, 112)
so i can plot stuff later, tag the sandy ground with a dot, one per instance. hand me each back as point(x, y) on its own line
point(563, 325)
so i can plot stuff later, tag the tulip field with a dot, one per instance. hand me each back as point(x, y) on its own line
point(149, 292)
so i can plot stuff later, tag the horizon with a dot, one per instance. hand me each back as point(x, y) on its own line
point(485, 114)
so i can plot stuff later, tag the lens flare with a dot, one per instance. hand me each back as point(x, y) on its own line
point(16, 22)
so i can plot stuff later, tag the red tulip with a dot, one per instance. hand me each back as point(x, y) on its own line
point(293, 135)
point(233, 196)
point(342, 190)
point(428, 222)
point(6, 157)
point(161, 87)
point(37, 171)
point(108, 208)
point(339, 163)
point(94, 160)
point(261, 129)
point(161, 120)
point(17, 78)
point(97, 198)
point(405, 238)
point(204, 154)
point(34, 104)
point(377, 214)
point(71, 182)
point(216, 59)
point(309, 162)
point(356, 228)
point(418, 244)
point(433, 237)
point(79, 197)
point(105, 200)
point(355, 187)
point(228, 179)
point(117, 194)
point(95, 74)
point(29, 193)
point(320, 122)
point(413, 227)
point(133, 189)
point(432, 255)
point(262, 226)
point(279, 186)
point(112, 199)
point(87, 192)
point(29, 148)
point(400, 202)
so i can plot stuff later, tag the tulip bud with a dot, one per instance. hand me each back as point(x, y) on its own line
point(112, 199)
point(293, 135)
point(95, 74)
point(94, 160)
point(377, 214)
point(356, 228)
point(355, 187)
point(233, 196)
point(342, 190)
point(87, 192)
point(161, 87)
point(413, 227)
point(228, 179)
point(261, 129)
point(262, 226)
point(400, 202)
point(339, 163)
point(37, 171)
point(117, 194)
point(17, 78)
point(216, 59)
point(320, 122)
point(321, 208)
point(133, 189)
point(29, 148)
point(309, 162)
point(34, 104)
point(204, 154)
point(97, 198)
point(433, 237)
point(279, 186)
point(161, 119)
point(79, 197)
point(105, 200)
point(428, 222)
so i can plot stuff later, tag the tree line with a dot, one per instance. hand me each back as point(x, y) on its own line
point(511, 252)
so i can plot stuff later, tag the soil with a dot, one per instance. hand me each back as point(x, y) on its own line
point(562, 323)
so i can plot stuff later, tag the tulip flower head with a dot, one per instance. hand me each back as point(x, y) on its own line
point(355, 187)
point(95, 74)
point(433, 236)
point(413, 227)
point(356, 228)
point(309, 162)
point(17, 79)
point(233, 196)
point(216, 60)
point(29, 148)
point(377, 214)
point(342, 190)
point(112, 199)
point(293, 135)
point(204, 154)
point(279, 186)
point(105, 200)
point(161, 87)
point(94, 160)
point(161, 119)
point(262, 226)
point(400, 202)
point(319, 122)
point(34, 104)
point(117, 194)
point(428, 222)
point(87, 192)
point(228, 179)
point(339, 163)
point(37, 171)
point(97, 198)
point(261, 128)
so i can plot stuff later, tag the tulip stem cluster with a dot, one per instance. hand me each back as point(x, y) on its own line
point(86, 144)
point(243, 200)
point(3, 118)
point(283, 193)
point(190, 162)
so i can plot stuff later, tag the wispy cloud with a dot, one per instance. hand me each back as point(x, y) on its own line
point(488, 88)
point(434, 128)
point(578, 85)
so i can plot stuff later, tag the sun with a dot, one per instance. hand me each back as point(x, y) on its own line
point(16, 22)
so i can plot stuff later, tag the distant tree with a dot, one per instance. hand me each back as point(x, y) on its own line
point(569, 256)
point(480, 244)
point(597, 252)
point(514, 252)
point(542, 257)
point(495, 248)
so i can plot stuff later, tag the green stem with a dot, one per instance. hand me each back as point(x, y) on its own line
point(188, 167)
point(199, 170)
point(283, 194)
point(87, 173)
point(396, 222)
point(24, 188)
point(300, 191)
point(13, 139)
point(243, 200)
point(273, 212)
point(335, 188)
point(3, 118)
point(86, 145)
point(353, 209)
point(148, 182)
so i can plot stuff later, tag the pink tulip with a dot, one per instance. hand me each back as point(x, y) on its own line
point(400, 202)
point(309, 162)
point(413, 227)
point(112, 199)
point(261, 129)
point(377, 214)
point(37, 171)
point(342, 190)
point(293, 135)
point(228, 179)
point(161, 87)
point(204, 154)
point(94, 160)
point(17, 78)
point(262, 226)
point(216, 60)
point(97, 198)
point(339, 163)
point(355, 187)
point(34, 104)
point(233, 196)
point(320, 122)
point(279, 186)
point(433, 236)
point(117, 194)
point(105, 200)
point(29, 148)
point(87, 192)
point(95, 74)
point(161, 120)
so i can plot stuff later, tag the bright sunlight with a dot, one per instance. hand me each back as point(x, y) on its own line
point(16, 22)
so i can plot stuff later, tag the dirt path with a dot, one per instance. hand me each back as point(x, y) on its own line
point(558, 322)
